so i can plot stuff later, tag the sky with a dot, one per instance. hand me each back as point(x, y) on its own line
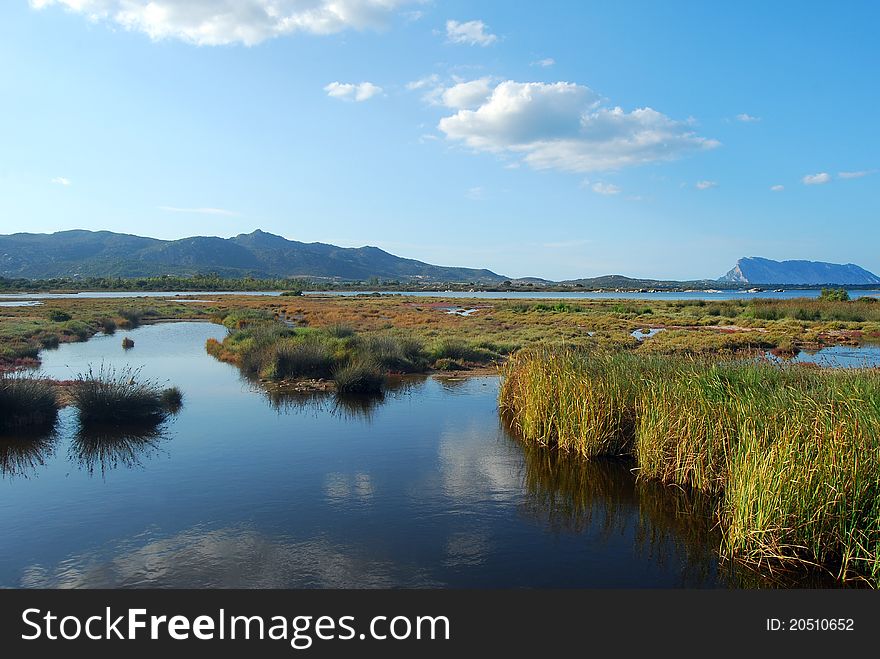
point(553, 139)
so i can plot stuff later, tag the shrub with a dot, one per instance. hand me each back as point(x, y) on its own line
point(359, 377)
point(107, 325)
point(127, 343)
point(399, 354)
point(27, 403)
point(834, 295)
point(58, 316)
point(305, 358)
point(76, 330)
point(120, 397)
point(129, 318)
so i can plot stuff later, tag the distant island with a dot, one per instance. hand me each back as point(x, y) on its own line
point(104, 260)
point(757, 270)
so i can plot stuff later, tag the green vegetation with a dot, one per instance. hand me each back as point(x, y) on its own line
point(495, 328)
point(357, 362)
point(24, 331)
point(359, 377)
point(58, 316)
point(834, 295)
point(120, 397)
point(26, 403)
point(792, 455)
point(204, 282)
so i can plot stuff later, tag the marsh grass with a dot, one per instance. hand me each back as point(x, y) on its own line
point(584, 405)
point(396, 354)
point(359, 377)
point(27, 403)
point(121, 397)
point(273, 351)
point(462, 350)
point(791, 455)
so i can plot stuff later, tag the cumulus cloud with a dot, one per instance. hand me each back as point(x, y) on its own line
point(777, 188)
point(706, 185)
point(472, 33)
point(747, 118)
point(60, 180)
point(566, 126)
point(220, 22)
point(817, 179)
point(347, 91)
point(605, 188)
point(198, 211)
point(467, 95)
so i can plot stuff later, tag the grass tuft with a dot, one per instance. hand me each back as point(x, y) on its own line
point(26, 403)
point(359, 377)
point(121, 397)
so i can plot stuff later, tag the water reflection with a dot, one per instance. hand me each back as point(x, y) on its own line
point(22, 454)
point(570, 494)
point(229, 558)
point(672, 527)
point(102, 449)
point(344, 406)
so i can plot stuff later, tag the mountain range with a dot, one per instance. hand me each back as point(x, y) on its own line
point(80, 254)
point(258, 254)
point(757, 270)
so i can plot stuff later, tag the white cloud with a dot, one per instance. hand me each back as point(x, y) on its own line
point(851, 175)
point(816, 179)
point(199, 211)
point(472, 33)
point(605, 188)
point(352, 92)
point(428, 81)
point(705, 185)
point(547, 61)
point(467, 95)
point(565, 126)
point(777, 188)
point(60, 180)
point(747, 118)
point(220, 22)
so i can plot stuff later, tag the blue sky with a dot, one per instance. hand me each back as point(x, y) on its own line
point(554, 139)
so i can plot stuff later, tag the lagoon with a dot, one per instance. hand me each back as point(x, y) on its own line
point(424, 488)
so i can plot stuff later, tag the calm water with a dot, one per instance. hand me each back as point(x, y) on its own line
point(695, 295)
point(863, 356)
point(423, 488)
